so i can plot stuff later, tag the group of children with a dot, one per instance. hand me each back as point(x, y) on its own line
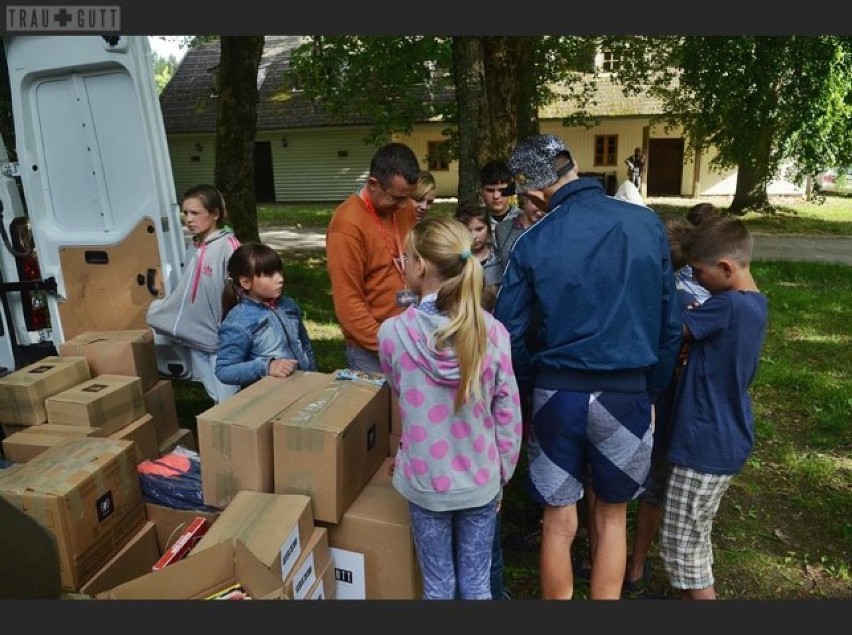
point(450, 363)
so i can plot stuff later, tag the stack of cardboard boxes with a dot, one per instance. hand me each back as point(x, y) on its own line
point(298, 469)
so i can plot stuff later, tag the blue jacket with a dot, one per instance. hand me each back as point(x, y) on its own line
point(253, 333)
point(593, 282)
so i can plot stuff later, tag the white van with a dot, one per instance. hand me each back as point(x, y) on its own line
point(91, 230)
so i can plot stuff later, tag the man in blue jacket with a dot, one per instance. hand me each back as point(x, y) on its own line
point(593, 283)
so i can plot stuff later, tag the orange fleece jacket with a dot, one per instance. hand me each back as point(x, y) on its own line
point(364, 280)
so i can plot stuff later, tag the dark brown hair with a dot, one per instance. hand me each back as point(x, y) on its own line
point(248, 260)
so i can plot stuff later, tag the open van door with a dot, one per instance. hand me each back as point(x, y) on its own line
point(90, 225)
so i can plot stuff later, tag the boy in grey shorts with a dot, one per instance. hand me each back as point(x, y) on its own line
point(712, 427)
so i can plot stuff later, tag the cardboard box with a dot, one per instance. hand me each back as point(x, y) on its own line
point(393, 444)
point(108, 402)
point(325, 588)
point(330, 442)
point(183, 437)
point(224, 564)
point(30, 442)
point(85, 491)
point(144, 438)
point(310, 566)
point(169, 523)
point(58, 428)
point(160, 404)
point(131, 561)
point(275, 527)
point(235, 436)
point(128, 353)
point(24, 391)
point(11, 428)
point(376, 531)
point(185, 543)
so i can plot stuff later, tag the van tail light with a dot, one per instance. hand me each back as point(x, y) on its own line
point(33, 302)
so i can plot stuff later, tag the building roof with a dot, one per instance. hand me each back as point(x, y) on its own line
point(188, 102)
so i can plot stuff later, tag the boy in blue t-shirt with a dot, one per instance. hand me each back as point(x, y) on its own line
point(712, 428)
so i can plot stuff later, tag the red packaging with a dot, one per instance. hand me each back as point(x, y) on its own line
point(184, 544)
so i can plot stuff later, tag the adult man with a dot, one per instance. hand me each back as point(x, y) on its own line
point(595, 272)
point(364, 247)
point(635, 165)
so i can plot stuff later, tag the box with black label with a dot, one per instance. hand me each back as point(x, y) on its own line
point(330, 442)
point(128, 353)
point(108, 402)
point(85, 491)
point(24, 391)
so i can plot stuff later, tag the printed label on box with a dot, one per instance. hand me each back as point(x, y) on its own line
point(41, 369)
point(304, 578)
point(291, 549)
point(105, 506)
point(349, 574)
point(94, 388)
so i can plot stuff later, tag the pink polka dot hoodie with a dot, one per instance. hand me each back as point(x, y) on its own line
point(450, 460)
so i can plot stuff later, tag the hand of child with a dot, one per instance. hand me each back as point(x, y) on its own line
point(282, 367)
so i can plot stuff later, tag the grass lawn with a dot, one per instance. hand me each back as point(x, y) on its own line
point(784, 529)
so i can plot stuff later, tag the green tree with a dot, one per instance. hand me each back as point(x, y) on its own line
point(164, 68)
point(236, 129)
point(486, 89)
point(762, 101)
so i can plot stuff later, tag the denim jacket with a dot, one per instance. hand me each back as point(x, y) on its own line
point(253, 334)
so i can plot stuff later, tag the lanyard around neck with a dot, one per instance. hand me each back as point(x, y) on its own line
point(398, 262)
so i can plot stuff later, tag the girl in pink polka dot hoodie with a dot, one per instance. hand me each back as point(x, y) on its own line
point(449, 362)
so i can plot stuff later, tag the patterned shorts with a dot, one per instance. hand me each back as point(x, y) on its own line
point(576, 434)
point(692, 499)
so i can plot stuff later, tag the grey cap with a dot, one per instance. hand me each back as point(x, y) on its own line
point(532, 162)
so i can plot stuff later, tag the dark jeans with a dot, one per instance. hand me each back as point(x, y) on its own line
point(496, 574)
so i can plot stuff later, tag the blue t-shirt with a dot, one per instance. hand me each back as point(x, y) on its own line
point(712, 430)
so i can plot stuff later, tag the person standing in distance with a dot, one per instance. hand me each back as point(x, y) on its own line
point(364, 249)
point(596, 272)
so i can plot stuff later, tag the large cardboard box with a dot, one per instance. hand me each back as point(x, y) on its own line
point(24, 391)
point(144, 437)
point(131, 561)
point(169, 523)
point(129, 353)
point(376, 533)
point(108, 402)
point(226, 563)
point(160, 404)
point(310, 566)
point(84, 490)
point(235, 436)
point(32, 441)
point(395, 414)
point(275, 527)
point(330, 442)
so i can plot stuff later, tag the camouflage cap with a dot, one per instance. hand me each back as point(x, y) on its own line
point(532, 162)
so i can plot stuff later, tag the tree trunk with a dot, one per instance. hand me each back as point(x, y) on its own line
point(753, 177)
point(236, 128)
point(471, 100)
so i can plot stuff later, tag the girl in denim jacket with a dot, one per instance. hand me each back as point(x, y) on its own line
point(262, 332)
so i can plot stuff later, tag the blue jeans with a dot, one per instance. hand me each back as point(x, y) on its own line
point(362, 359)
point(454, 551)
point(496, 573)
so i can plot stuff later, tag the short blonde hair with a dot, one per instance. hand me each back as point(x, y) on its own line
point(425, 184)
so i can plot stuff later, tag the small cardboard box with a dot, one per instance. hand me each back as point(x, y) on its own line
point(142, 433)
point(183, 437)
point(235, 436)
point(128, 353)
point(11, 428)
point(24, 391)
point(108, 402)
point(169, 523)
point(85, 491)
point(160, 404)
point(224, 564)
point(275, 527)
point(375, 532)
point(330, 442)
point(131, 561)
point(325, 587)
point(32, 441)
point(310, 566)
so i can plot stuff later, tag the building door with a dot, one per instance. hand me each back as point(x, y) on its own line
point(665, 167)
point(264, 184)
